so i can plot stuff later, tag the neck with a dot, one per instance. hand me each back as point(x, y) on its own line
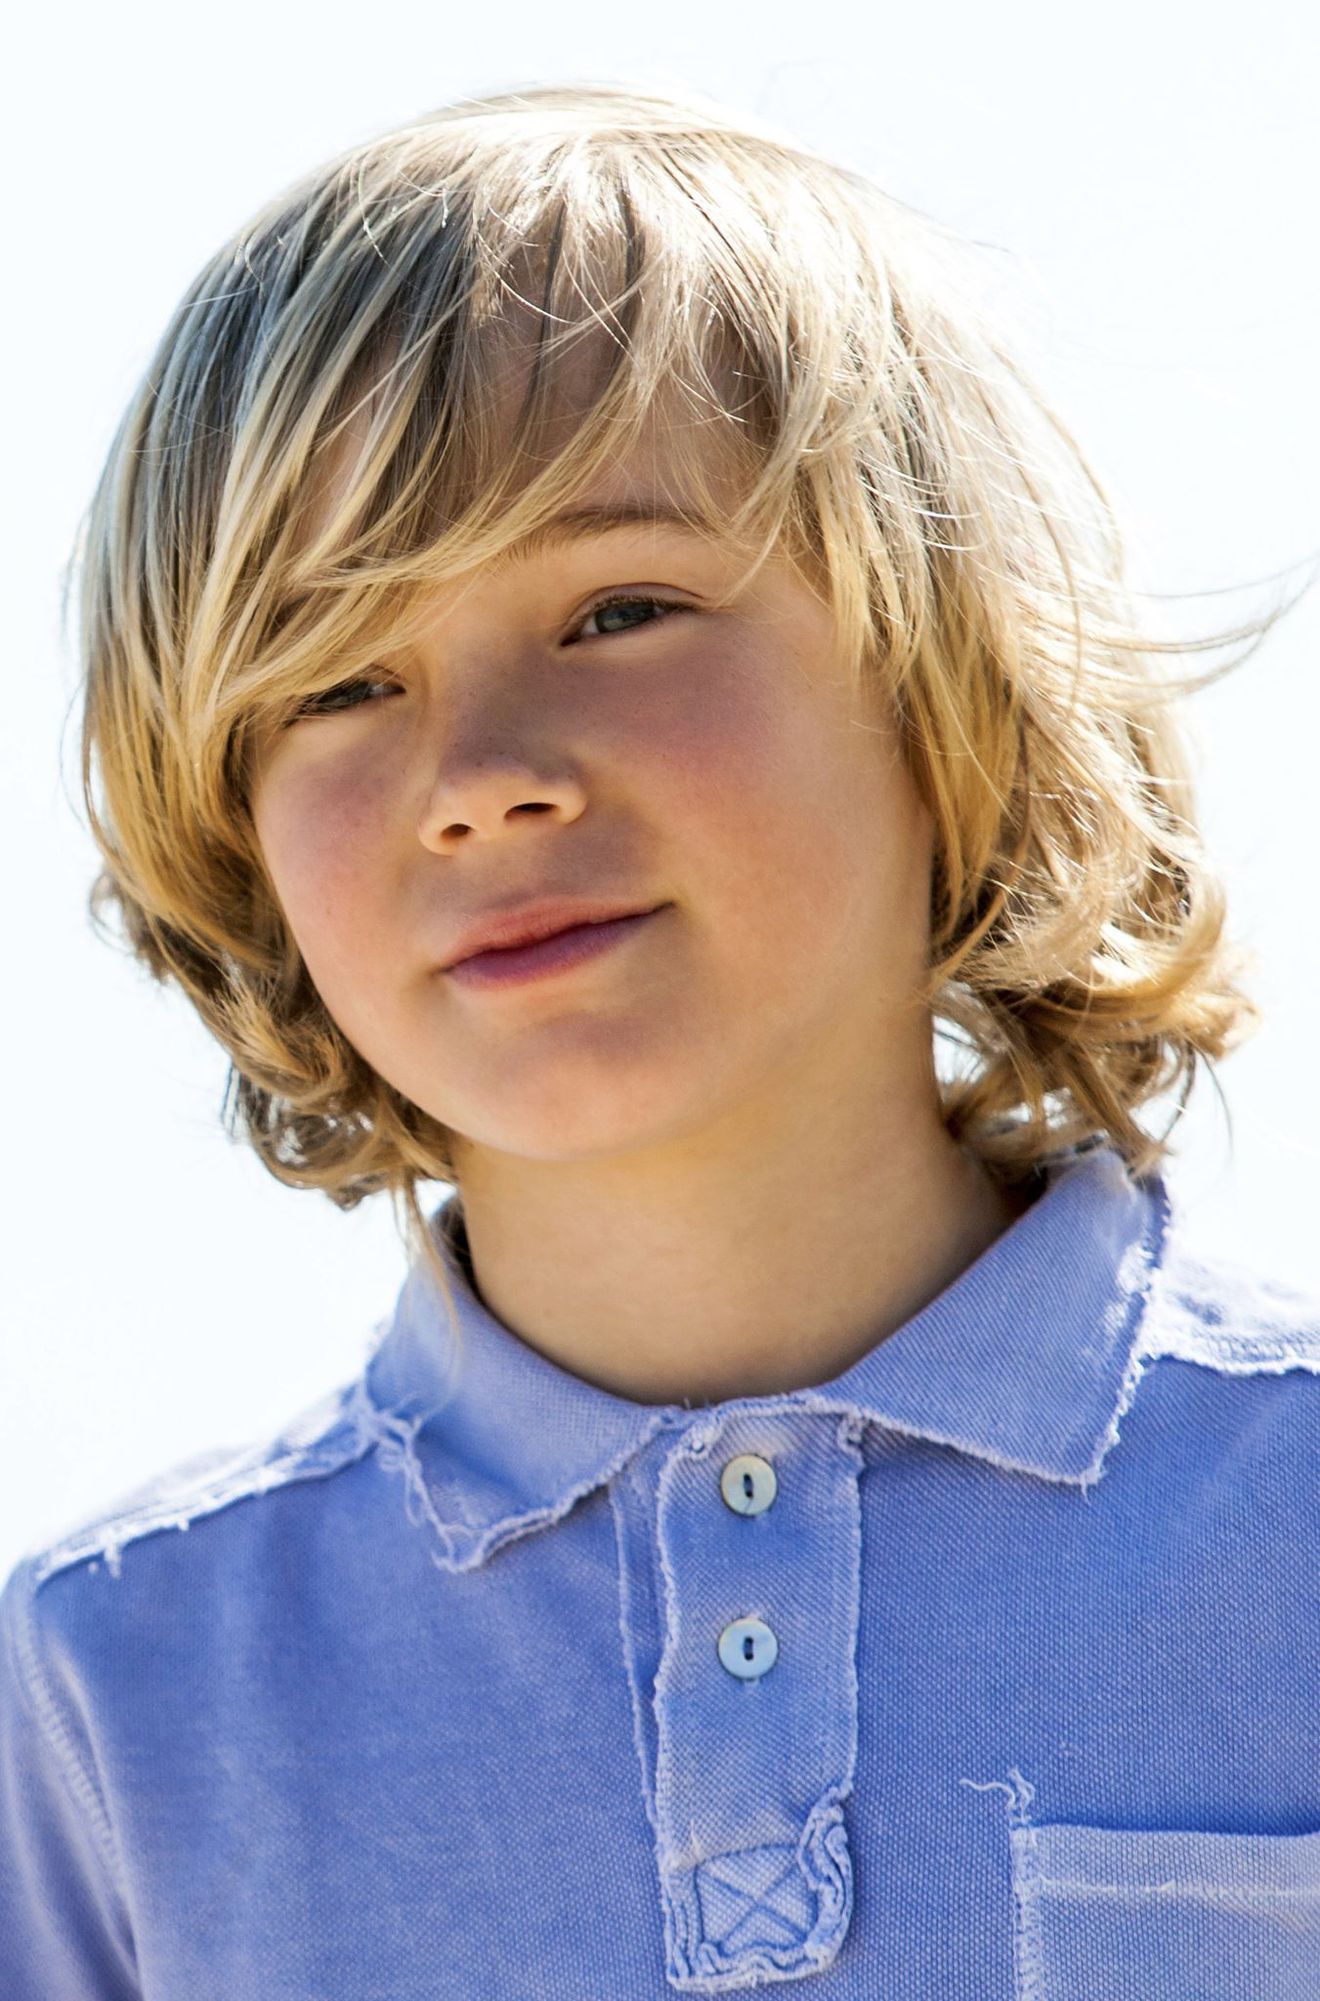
point(743, 1274)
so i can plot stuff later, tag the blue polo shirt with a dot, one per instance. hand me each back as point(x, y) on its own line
point(988, 1669)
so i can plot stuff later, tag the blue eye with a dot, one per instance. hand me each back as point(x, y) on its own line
point(331, 701)
point(621, 601)
point(357, 692)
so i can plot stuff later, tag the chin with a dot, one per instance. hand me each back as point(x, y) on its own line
point(575, 1132)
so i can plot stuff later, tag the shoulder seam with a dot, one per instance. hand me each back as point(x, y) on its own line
point(328, 1436)
point(1234, 1355)
point(1231, 1318)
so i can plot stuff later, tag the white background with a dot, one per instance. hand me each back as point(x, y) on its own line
point(1147, 176)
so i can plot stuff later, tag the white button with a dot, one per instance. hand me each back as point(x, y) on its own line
point(748, 1648)
point(748, 1484)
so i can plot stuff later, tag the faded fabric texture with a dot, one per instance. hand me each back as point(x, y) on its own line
point(990, 1671)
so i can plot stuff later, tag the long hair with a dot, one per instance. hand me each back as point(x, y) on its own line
point(606, 243)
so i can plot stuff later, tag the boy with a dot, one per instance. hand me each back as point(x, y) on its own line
point(591, 651)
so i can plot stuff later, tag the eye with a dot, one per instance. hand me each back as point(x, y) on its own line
point(621, 601)
point(366, 689)
point(346, 695)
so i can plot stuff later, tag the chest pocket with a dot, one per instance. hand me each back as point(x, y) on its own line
point(1116, 1915)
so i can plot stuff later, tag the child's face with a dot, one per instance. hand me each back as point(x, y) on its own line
point(698, 758)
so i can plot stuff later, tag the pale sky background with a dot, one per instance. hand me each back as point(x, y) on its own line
point(1147, 177)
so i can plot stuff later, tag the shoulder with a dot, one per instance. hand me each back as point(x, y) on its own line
point(1226, 1379)
point(1227, 1315)
point(321, 1440)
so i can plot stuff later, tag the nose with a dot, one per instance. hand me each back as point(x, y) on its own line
point(495, 751)
point(490, 795)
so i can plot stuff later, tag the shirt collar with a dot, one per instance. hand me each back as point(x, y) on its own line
point(1027, 1360)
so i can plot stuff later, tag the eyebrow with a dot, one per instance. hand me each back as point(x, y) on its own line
point(574, 524)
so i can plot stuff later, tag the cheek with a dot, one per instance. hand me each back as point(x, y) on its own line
point(319, 837)
point(753, 786)
point(818, 843)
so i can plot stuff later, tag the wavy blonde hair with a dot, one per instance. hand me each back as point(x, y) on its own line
point(617, 242)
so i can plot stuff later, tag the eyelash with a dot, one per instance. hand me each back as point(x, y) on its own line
point(667, 605)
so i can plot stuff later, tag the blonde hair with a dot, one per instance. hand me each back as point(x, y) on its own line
point(633, 241)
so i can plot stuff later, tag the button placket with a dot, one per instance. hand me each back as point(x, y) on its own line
point(753, 1852)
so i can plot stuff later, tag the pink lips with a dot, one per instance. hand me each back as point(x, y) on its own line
point(517, 964)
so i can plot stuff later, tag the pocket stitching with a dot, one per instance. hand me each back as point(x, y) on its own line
point(1032, 1879)
point(1028, 1950)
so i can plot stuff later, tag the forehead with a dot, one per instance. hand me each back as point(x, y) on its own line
point(684, 461)
point(680, 475)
